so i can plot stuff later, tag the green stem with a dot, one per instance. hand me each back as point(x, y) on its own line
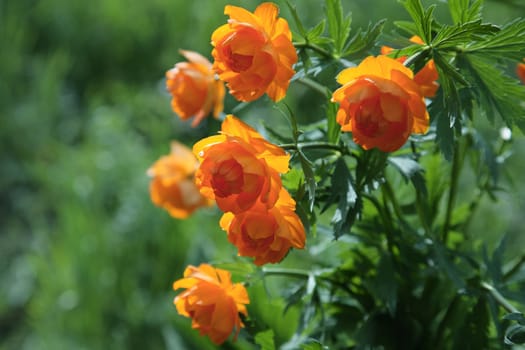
point(302, 274)
point(454, 179)
point(393, 200)
point(314, 145)
point(500, 299)
point(312, 84)
point(313, 47)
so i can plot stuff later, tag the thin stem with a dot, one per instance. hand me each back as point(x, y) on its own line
point(514, 268)
point(314, 145)
point(393, 200)
point(500, 299)
point(313, 47)
point(302, 274)
point(312, 84)
point(454, 179)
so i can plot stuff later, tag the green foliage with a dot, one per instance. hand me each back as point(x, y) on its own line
point(405, 250)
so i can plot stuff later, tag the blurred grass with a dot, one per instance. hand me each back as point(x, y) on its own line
point(87, 260)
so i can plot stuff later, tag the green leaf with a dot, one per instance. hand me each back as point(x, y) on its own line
point(461, 11)
point(297, 19)
point(505, 43)
point(384, 285)
point(422, 19)
point(515, 316)
point(498, 90)
point(309, 177)
point(362, 42)
point(265, 340)
point(446, 265)
point(338, 26)
point(410, 170)
point(333, 128)
point(313, 345)
point(473, 333)
point(344, 194)
point(461, 34)
point(316, 31)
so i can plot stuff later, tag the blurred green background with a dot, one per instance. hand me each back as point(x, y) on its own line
point(86, 261)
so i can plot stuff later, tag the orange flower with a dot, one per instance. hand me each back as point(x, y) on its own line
point(520, 70)
point(194, 89)
point(426, 77)
point(172, 186)
point(254, 53)
point(380, 104)
point(266, 234)
point(239, 167)
point(212, 301)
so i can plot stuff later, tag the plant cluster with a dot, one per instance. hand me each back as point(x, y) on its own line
point(373, 188)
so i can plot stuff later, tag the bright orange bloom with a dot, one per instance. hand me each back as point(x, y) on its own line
point(426, 77)
point(194, 89)
point(380, 104)
point(212, 301)
point(172, 186)
point(254, 53)
point(239, 167)
point(520, 70)
point(266, 234)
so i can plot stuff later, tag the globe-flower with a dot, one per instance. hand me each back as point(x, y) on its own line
point(195, 91)
point(239, 168)
point(266, 234)
point(426, 77)
point(380, 104)
point(520, 71)
point(172, 186)
point(212, 301)
point(254, 53)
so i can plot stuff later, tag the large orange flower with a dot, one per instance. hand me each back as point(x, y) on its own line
point(212, 301)
point(194, 89)
point(239, 167)
point(266, 234)
point(520, 70)
point(172, 186)
point(254, 53)
point(426, 77)
point(380, 104)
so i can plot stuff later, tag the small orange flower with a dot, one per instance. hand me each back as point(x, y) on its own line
point(520, 70)
point(426, 77)
point(380, 104)
point(172, 186)
point(194, 89)
point(212, 301)
point(266, 234)
point(239, 167)
point(254, 53)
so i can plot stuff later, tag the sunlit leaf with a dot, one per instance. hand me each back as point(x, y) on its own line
point(265, 340)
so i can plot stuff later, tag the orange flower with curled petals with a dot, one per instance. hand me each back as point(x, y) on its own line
point(380, 104)
point(212, 301)
point(266, 234)
point(520, 71)
point(172, 186)
point(254, 53)
point(239, 167)
point(194, 89)
point(426, 77)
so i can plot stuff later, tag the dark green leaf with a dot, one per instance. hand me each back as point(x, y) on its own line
point(446, 265)
point(515, 316)
point(473, 333)
point(462, 12)
point(507, 42)
point(297, 19)
point(461, 34)
point(422, 19)
point(406, 26)
point(338, 26)
point(410, 170)
point(361, 42)
point(384, 284)
point(333, 128)
point(344, 194)
point(309, 177)
point(265, 340)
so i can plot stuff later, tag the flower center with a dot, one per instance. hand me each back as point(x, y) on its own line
point(227, 178)
point(369, 118)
